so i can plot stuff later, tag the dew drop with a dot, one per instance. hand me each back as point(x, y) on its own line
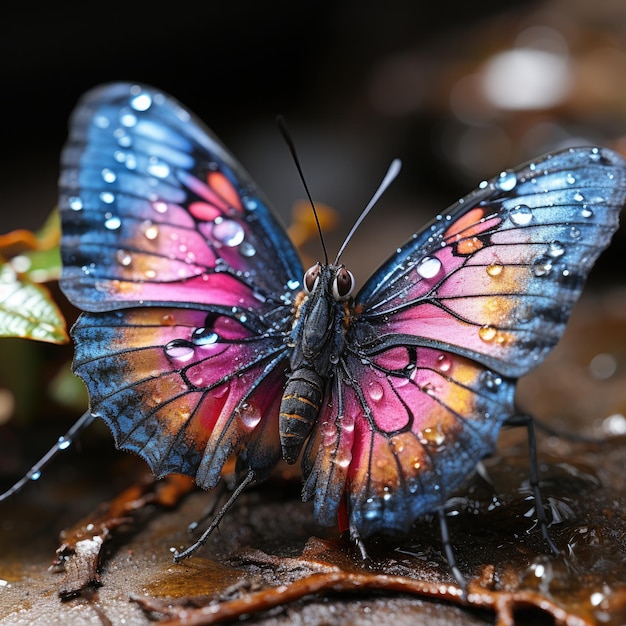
point(249, 415)
point(556, 249)
point(112, 222)
point(293, 284)
point(128, 119)
point(574, 232)
point(542, 266)
point(123, 258)
point(428, 267)
point(490, 379)
point(375, 391)
point(159, 206)
point(443, 363)
point(63, 443)
point(495, 269)
point(142, 102)
point(506, 181)
point(431, 436)
point(158, 168)
point(228, 232)
point(76, 204)
point(578, 197)
point(487, 333)
point(343, 459)
point(371, 509)
point(179, 350)
point(108, 175)
point(204, 336)
point(571, 179)
point(107, 197)
point(521, 215)
point(150, 230)
point(586, 212)
point(33, 475)
point(247, 249)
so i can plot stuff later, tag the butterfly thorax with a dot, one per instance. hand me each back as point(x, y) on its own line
point(317, 338)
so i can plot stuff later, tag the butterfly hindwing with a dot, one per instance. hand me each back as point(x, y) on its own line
point(440, 333)
point(188, 281)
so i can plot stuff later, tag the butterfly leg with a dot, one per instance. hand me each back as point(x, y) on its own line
point(63, 443)
point(529, 422)
point(449, 552)
point(249, 478)
point(355, 537)
point(220, 494)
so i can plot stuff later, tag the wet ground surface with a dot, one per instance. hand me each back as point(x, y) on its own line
point(269, 563)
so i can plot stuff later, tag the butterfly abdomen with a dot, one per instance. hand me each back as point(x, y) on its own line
point(299, 409)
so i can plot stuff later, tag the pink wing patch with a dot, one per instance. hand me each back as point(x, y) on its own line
point(418, 419)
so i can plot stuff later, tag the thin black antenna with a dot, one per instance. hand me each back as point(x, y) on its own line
point(292, 148)
point(390, 176)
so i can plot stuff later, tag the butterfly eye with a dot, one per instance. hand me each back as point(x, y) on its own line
point(311, 276)
point(343, 284)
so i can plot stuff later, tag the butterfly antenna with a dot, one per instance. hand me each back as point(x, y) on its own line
point(64, 442)
point(390, 176)
point(292, 148)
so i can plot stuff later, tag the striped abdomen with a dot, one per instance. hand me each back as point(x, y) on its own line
point(299, 409)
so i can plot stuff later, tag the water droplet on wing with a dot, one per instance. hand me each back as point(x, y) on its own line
point(228, 232)
point(112, 222)
point(506, 181)
point(141, 102)
point(375, 391)
point(521, 215)
point(428, 267)
point(487, 333)
point(443, 363)
point(179, 350)
point(495, 269)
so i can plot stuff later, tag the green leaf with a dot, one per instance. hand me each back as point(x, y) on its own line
point(27, 310)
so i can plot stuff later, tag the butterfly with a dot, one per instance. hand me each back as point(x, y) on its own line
point(203, 337)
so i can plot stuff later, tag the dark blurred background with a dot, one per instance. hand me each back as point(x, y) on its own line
point(458, 90)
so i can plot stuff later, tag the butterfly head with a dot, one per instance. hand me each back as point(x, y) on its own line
point(335, 280)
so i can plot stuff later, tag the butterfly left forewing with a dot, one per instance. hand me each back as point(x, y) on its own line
point(155, 210)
